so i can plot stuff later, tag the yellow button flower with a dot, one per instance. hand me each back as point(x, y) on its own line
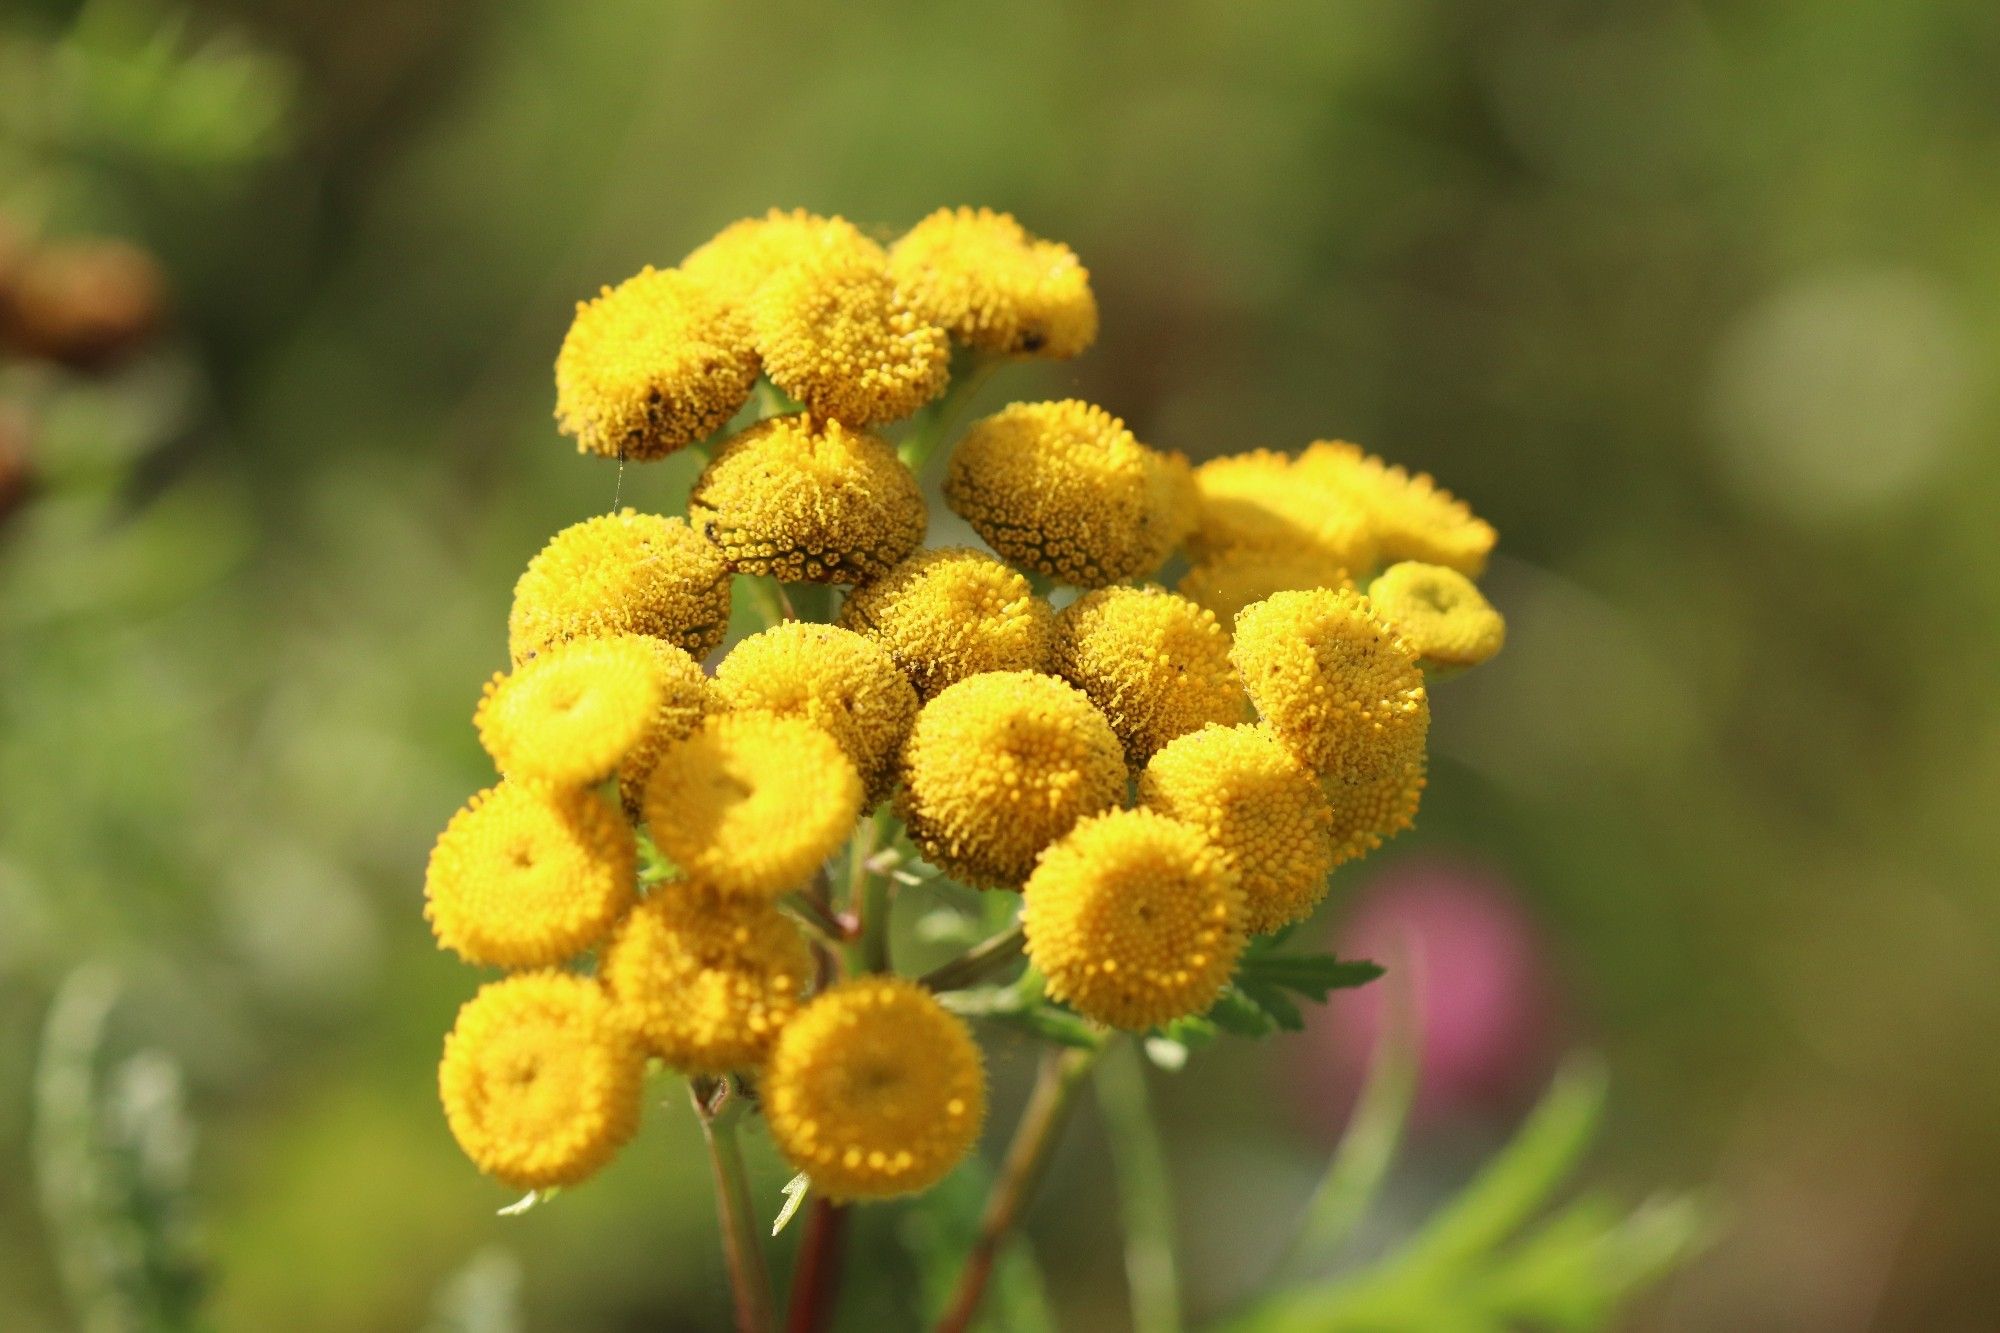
point(622, 573)
point(706, 980)
point(1262, 500)
point(1001, 765)
point(746, 254)
point(539, 1080)
point(1413, 517)
point(1153, 662)
point(952, 612)
point(751, 803)
point(686, 700)
point(525, 877)
point(1260, 806)
point(806, 500)
point(833, 678)
point(570, 716)
point(1368, 813)
point(1230, 579)
point(1440, 612)
point(650, 366)
point(981, 275)
point(874, 1090)
point(835, 336)
point(1135, 919)
point(1333, 682)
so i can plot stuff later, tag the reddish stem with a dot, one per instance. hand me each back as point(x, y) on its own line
point(816, 1273)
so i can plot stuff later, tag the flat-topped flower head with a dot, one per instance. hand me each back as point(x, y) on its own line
point(1440, 612)
point(982, 276)
point(874, 1090)
point(1413, 517)
point(1063, 488)
point(1334, 682)
point(808, 500)
point(747, 253)
point(751, 803)
point(952, 612)
point(1001, 765)
point(846, 685)
point(1155, 664)
point(834, 335)
point(652, 365)
point(527, 877)
point(1258, 804)
point(1368, 813)
point(569, 716)
point(1135, 919)
point(705, 979)
point(540, 1081)
point(622, 573)
point(1227, 580)
point(1262, 500)
point(686, 700)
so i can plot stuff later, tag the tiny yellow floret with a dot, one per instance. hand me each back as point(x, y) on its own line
point(652, 365)
point(1263, 501)
point(527, 876)
point(746, 254)
point(807, 500)
point(1227, 580)
point(572, 714)
point(1135, 919)
point(1153, 662)
point(540, 1082)
point(1413, 517)
point(874, 1090)
point(952, 612)
point(1440, 612)
point(622, 573)
point(1368, 813)
point(982, 276)
point(751, 803)
point(686, 700)
point(835, 336)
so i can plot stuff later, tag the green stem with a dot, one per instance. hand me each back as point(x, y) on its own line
point(742, 1243)
point(935, 425)
point(1145, 1197)
point(976, 964)
point(875, 923)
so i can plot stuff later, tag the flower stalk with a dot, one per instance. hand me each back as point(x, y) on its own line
point(978, 963)
point(742, 1244)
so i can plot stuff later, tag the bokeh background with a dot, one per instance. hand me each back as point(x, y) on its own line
point(1694, 301)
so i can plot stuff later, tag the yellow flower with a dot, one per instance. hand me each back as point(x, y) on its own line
point(1262, 500)
point(1333, 682)
point(834, 335)
point(952, 612)
point(1260, 805)
point(1368, 813)
point(686, 699)
point(1440, 612)
point(1134, 918)
point(1413, 517)
point(1153, 662)
point(995, 287)
point(1173, 506)
point(751, 803)
point(874, 1090)
point(804, 500)
point(525, 877)
point(540, 1082)
point(570, 715)
point(747, 253)
point(1063, 488)
point(706, 980)
point(1001, 765)
point(1231, 578)
point(833, 678)
point(622, 573)
point(650, 366)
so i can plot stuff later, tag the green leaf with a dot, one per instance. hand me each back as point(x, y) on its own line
point(1056, 1025)
point(1312, 975)
point(1237, 1013)
point(1277, 1006)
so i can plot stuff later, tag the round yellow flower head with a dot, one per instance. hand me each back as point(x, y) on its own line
point(835, 679)
point(1173, 505)
point(752, 803)
point(1001, 765)
point(525, 877)
point(806, 500)
point(1260, 805)
point(706, 980)
point(1368, 813)
point(747, 253)
point(1153, 662)
point(1262, 500)
point(650, 366)
point(874, 1090)
point(540, 1082)
point(1134, 918)
point(686, 700)
point(1413, 517)
point(834, 335)
point(981, 275)
point(1440, 612)
point(1333, 682)
point(1231, 578)
point(1062, 488)
point(570, 715)
point(952, 612)
point(622, 573)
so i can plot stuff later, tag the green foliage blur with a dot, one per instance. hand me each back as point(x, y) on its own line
point(1691, 300)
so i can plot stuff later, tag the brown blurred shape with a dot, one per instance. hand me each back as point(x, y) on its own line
point(86, 304)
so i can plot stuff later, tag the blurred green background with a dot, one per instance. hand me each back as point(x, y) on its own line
point(1693, 301)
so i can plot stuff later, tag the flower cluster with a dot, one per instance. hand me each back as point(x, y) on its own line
point(1154, 713)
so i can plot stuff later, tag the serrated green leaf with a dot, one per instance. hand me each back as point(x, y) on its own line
point(1235, 1012)
point(1277, 1006)
point(1193, 1032)
point(1311, 975)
